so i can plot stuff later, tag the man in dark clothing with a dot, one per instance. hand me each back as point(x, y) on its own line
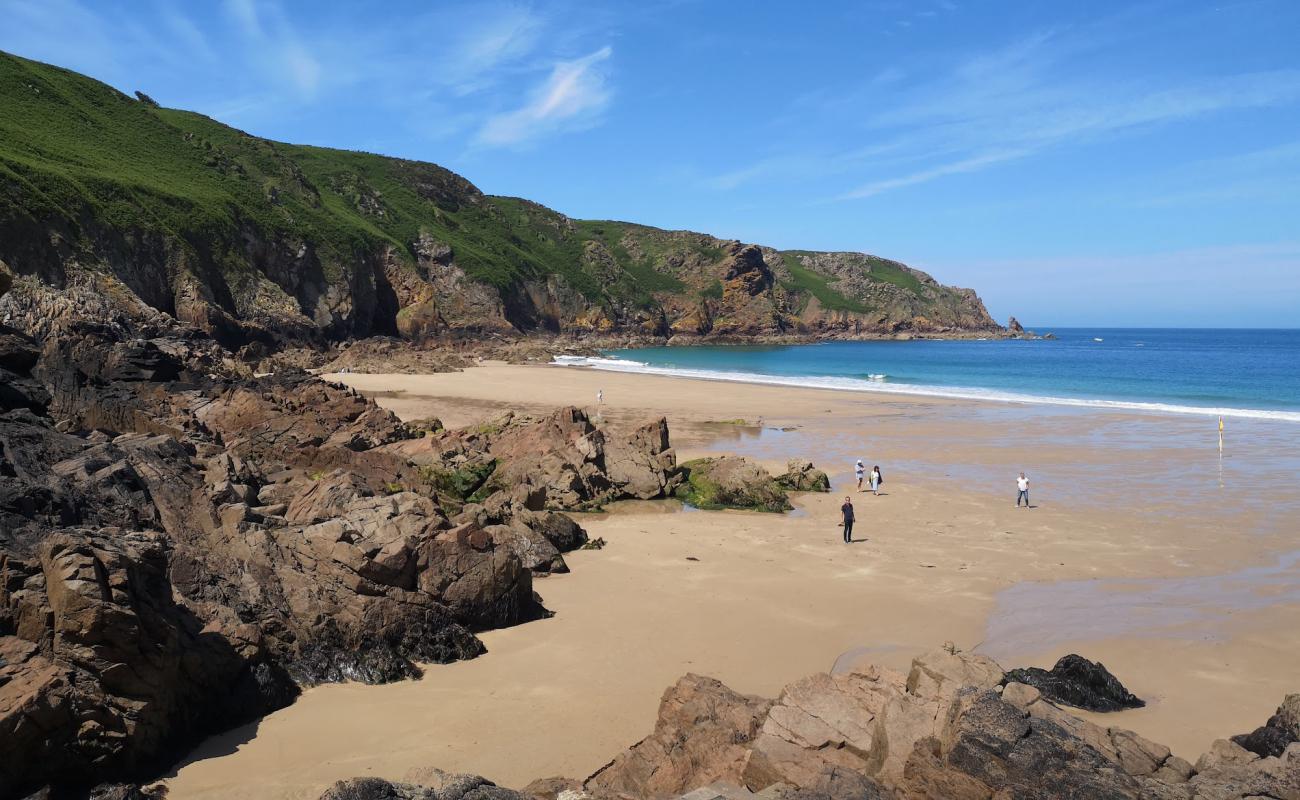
point(847, 510)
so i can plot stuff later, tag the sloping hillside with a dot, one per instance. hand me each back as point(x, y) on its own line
point(257, 240)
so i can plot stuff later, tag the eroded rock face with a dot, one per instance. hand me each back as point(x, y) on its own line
point(182, 546)
point(558, 462)
point(100, 670)
point(702, 736)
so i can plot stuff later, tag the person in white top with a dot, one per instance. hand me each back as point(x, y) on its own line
point(1022, 485)
point(876, 480)
point(860, 470)
point(600, 397)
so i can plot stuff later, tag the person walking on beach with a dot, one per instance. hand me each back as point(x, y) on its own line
point(847, 511)
point(1022, 493)
point(600, 397)
point(860, 470)
point(876, 480)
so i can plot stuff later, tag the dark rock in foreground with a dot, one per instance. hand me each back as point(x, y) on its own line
point(1275, 736)
point(1076, 681)
point(433, 785)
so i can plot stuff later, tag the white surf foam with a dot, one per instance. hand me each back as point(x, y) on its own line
point(879, 385)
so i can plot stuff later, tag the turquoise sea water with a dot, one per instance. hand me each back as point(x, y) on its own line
point(1243, 373)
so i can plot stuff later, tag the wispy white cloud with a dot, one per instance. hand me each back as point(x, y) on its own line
point(972, 164)
point(183, 29)
point(573, 95)
point(444, 73)
point(1023, 99)
point(275, 42)
point(486, 44)
point(1038, 93)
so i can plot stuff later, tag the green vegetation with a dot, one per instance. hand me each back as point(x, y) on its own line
point(190, 194)
point(707, 491)
point(804, 280)
point(459, 483)
point(886, 271)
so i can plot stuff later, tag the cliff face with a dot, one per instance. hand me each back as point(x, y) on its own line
point(250, 239)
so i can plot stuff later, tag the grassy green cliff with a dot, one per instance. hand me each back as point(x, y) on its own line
point(254, 239)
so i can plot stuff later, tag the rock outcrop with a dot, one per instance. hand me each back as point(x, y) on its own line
point(801, 476)
point(1076, 681)
point(730, 482)
point(702, 736)
point(430, 784)
point(183, 546)
point(1280, 732)
point(952, 728)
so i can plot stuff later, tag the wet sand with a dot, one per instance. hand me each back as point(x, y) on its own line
point(1132, 555)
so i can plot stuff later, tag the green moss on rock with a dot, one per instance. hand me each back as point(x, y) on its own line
point(730, 482)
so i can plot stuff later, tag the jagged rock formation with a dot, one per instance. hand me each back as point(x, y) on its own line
point(169, 212)
point(1076, 681)
point(1275, 736)
point(948, 729)
point(183, 545)
point(952, 728)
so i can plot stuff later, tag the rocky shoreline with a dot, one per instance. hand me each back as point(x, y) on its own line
point(955, 727)
point(186, 543)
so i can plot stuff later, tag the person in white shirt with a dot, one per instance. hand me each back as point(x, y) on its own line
point(876, 480)
point(860, 470)
point(1022, 485)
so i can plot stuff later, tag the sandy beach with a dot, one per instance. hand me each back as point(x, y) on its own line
point(1144, 550)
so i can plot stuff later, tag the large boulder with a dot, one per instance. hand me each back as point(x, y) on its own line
point(1076, 681)
point(702, 735)
point(444, 786)
point(101, 671)
point(801, 476)
point(558, 462)
point(730, 482)
point(1280, 732)
point(866, 721)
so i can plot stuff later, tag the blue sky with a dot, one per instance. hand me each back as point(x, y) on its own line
point(1076, 163)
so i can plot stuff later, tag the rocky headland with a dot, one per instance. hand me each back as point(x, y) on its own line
point(270, 245)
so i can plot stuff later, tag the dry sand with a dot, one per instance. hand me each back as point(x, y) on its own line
point(1133, 556)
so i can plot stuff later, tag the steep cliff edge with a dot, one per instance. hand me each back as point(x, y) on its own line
point(254, 240)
